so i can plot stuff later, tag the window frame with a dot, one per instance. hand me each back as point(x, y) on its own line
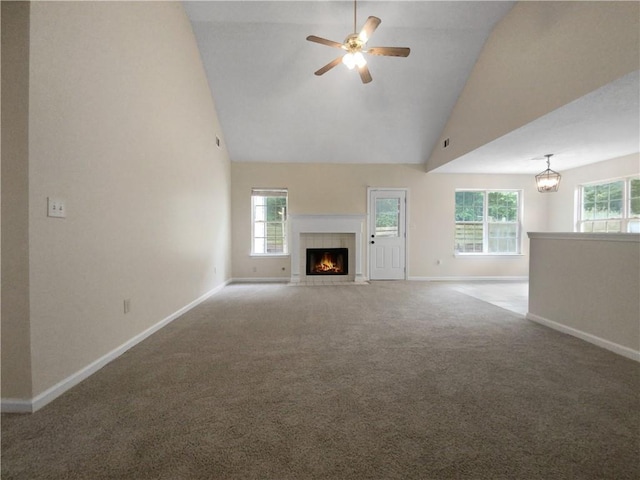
point(269, 192)
point(626, 217)
point(486, 223)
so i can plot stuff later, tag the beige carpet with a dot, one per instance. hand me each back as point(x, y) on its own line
point(393, 380)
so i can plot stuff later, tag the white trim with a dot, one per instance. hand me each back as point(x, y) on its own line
point(609, 237)
point(12, 405)
point(16, 405)
point(600, 342)
point(358, 279)
point(260, 280)
point(469, 279)
point(491, 256)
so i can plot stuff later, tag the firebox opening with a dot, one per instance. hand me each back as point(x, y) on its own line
point(327, 261)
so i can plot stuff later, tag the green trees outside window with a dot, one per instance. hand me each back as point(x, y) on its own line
point(634, 198)
point(387, 217)
point(487, 221)
point(612, 206)
point(269, 222)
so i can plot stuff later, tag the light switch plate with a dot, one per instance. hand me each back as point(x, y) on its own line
point(56, 208)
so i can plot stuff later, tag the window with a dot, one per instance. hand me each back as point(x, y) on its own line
point(269, 221)
point(487, 222)
point(612, 206)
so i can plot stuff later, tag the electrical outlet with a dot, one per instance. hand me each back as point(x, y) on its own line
point(127, 305)
point(56, 207)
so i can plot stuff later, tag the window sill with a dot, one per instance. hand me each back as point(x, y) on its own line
point(269, 255)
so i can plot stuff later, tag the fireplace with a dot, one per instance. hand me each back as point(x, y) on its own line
point(326, 232)
point(327, 261)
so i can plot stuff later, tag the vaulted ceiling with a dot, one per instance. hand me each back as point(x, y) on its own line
point(274, 109)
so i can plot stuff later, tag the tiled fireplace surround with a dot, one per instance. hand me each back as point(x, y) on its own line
point(326, 231)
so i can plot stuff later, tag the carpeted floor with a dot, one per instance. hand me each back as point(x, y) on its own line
point(393, 380)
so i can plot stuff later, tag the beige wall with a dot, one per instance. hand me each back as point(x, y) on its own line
point(342, 189)
point(541, 56)
point(562, 203)
point(122, 127)
point(116, 118)
point(16, 348)
point(587, 285)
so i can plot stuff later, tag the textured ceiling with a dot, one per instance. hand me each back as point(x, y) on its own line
point(601, 125)
point(274, 109)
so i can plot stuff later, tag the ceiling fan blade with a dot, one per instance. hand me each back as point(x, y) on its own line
point(369, 27)
point(328, 66)
point(324, 41)
point(389, 51)
point(365, 75)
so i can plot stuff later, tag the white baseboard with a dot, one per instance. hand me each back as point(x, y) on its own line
point(261, 280)
point(14, 405)
point(470, 279)
point(600, 342)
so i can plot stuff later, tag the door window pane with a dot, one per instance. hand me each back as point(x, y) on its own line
point(387, 217)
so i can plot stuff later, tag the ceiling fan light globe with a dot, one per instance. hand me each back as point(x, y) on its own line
point(349, 60)
point(359, 59)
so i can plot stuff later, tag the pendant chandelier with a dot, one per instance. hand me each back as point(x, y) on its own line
point(549, 180)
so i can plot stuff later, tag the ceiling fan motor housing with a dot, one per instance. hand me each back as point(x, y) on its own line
point(353, 43)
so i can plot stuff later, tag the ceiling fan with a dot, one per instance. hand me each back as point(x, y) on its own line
point(356, 44)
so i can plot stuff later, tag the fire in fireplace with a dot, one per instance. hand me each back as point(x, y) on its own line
point(327, 261)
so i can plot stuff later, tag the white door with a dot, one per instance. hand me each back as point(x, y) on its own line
point(387, 234)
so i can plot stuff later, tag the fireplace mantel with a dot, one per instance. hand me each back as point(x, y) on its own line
point(300, 224)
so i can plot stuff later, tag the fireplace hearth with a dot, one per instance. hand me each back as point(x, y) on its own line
point(327, 261)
